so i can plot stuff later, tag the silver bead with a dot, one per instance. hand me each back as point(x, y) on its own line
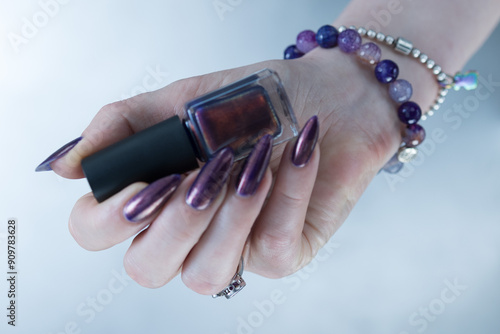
point(352, 27)
point(441, 76)
point(430, 63)
point(404, 46)
point(436, 70)
point(342, 28)
point(435, 107)
point(440, 100)
point(362, 31)
point(407, 154)
point(380, 37)
point(389, 40)
point(415, 53)
point(423, 58)
point(423, 118)
point(430, 113)
point(371, 33)
point(443, 92)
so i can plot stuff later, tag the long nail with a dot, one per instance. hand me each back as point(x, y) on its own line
point(255, 167)
point(45, 165)
point(306, 143)
point(151, 199)
point(210, 180)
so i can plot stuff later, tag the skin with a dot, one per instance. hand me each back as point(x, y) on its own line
point(277, 235)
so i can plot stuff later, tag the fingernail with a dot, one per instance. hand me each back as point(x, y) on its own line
point(210, 180)
point(255, 167)
point(306, 142)
point(151, 199)
point(45, 165)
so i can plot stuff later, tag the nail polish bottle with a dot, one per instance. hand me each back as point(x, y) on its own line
point(235, 116)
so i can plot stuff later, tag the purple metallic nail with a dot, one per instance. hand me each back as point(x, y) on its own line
point(45, 165)
point(151, 199)
point(306, 142)
point(210, 180)
point(255, 167)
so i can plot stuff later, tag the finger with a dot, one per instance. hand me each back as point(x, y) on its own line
point(157, 253)
point(276, 240)
point(213, 261)
point(97, 226)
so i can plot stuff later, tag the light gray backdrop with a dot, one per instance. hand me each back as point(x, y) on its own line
point(419, 253)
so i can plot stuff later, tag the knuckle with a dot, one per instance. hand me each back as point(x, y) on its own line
point(279, 254)
point(187, 229)
point(104, 122)
point(203, 283)
point(141, 275)
point(280, 272)
point(289, 201)
point(112, 108)
point(77, 234)
point(180, 233)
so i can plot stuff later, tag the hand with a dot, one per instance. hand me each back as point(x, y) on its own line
point(359, 131)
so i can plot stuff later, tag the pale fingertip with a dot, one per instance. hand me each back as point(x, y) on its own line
point(97, 226)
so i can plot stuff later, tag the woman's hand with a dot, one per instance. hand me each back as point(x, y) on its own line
point(277, 233)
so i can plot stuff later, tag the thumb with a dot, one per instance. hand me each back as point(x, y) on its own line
point(119, 120)
point(113, 123)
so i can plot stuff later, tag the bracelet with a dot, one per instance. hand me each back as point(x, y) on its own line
point(387, 71)
point(467, 80)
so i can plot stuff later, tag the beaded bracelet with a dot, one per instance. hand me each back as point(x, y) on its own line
point(386, 72)
point(467, 80)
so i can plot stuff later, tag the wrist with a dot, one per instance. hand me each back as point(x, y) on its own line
point(437, 29)
point(386, 72)
point(344, 88)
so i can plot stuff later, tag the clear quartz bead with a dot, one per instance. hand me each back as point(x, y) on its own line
point(400, 90)
point(369, 53)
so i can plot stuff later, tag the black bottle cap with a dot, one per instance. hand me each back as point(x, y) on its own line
point(148, 155)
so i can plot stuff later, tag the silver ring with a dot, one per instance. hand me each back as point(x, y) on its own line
point(237, 283)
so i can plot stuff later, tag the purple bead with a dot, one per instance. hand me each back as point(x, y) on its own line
point(292, 52)
point(414, 135)
point(409, 112)
point(400, 90)
point(369, 53)
point(386, 71)
point(326, 37)
point(349, 41)
point(306, 41)
point(393, 166)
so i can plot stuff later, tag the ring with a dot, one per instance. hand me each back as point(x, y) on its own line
point(237, 283)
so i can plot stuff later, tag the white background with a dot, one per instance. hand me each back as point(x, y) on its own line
point(404, 240)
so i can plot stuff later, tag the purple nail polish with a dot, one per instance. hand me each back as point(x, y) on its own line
point(306, 142)
point(151, 199)
point(255, 167)
point(234, 116)
point(210, 180)
point(45, 165)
